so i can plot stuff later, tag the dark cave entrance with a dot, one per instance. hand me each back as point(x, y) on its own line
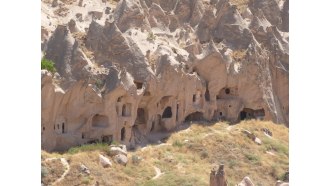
point(107, 139)
point(122, 133)
point(140, 117)
point(196, 116)
point(167, 113)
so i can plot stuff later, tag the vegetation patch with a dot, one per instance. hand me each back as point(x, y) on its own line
point(48, 65)
point(89, 147)
point(51, 171)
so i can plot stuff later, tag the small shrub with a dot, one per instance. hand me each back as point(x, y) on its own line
point(90, 147)
point(271, 144)
point(99, 83)
point(115, 143)
point(177, 143)
point(48, 65)
point(232, 163)
point(151, 36)
point(136, 159)
point(204, 154)
point(85, 180)
point(275, 172)
point(253, 158)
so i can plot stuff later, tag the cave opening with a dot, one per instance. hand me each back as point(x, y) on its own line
point(140, 117)
point(122, 133)
point(196, 116)
point(138, 84)
point(207, 95)
point(167, 113)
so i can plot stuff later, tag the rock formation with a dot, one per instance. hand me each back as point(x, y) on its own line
point(218, 176)
point(148, 65)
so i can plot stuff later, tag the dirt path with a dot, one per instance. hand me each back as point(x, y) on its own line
point(158, 173)
point(65, 165)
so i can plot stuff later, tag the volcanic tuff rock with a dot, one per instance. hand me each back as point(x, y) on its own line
point(143, 66)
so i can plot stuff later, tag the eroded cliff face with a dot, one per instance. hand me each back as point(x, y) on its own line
point(146, 66)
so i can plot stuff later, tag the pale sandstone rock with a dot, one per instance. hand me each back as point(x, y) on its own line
point(105, 162)
point(204, 63)
point(116, 151)
point(281, 183)
point(121, 159)
point(246, 182)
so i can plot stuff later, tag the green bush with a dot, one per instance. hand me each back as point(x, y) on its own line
point(90, 147)
point(177, 143)
point(48, 65)
point(151, 36)
point(253, 158)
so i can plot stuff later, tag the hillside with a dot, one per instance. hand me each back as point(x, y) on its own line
point(186, 157)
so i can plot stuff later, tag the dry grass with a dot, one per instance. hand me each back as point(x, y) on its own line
point(238, 55)
point(51, 171)
point(241, 4)
point(188, 156)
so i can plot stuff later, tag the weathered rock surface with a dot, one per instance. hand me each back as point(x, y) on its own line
point(105, 162)
point(246, 182)
point(281, 183)
point(116, 150)
point(151, 65)
point(121, 159)
point(218, 176)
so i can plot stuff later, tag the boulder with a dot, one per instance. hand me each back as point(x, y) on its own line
point(115, 150)
point(105, 162)
point(217, 176)
point(121, 159)
point(84, 169)
point(258, 141)
point(281, 183)
point(246, 182)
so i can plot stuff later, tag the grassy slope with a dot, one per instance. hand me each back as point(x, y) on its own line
point(188, 156)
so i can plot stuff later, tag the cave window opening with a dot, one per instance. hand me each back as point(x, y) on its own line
point(227, 91)
point(62, 127)
point(177, 112)
point(207, 95)
point(54, 127)
point(167, 113)
point(243, 115)
point(107, 139)
point(43, 128)
point(229, 106)
point(126, 110)
point(140, 118)
point(122, 132)
point(194, 98)
point(82, 136)
point(138, 84)
point(196, 116)
point(119, 99)
point(220, 113)
point(152, 126)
